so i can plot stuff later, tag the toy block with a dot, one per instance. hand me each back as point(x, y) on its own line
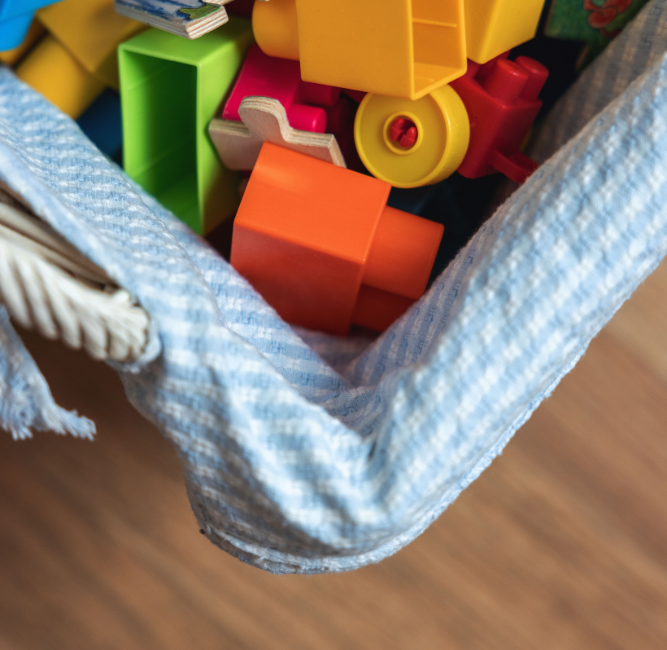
point(267, 76)
point(265, 120)
point(495, 26)
point(401, 48)
point(276, 29)
point(188, 18)
point(73, 64)
point(321, 246)
point(15, 19)
point(14, 30)
point(412, 143)
point(12, 57)
point(170, 87)
point(501, 98)
point(51, 69)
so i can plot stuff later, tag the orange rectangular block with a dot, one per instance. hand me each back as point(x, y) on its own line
point(312, 224)
point(323, 248)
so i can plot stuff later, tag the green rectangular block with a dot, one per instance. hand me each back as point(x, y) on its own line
point(171, 88)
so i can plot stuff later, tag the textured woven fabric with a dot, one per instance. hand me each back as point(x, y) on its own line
point(310, 453)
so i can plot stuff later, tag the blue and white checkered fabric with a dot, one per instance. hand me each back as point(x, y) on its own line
point(309, 453)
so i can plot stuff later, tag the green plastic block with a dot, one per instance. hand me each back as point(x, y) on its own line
point(171, 88)
point(597, 23)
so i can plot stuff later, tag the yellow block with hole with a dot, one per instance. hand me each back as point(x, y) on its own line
point(495, 26)
point(443, 135)
point(402, 48)
point(92, 31)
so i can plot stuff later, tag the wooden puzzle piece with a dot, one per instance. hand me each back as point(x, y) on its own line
point(265, 120)
point(188, 18)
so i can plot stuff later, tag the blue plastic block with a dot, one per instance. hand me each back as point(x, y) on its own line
point(102, 123)
point(15, 19)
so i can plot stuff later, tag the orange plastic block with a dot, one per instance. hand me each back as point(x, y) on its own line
point(320, 244)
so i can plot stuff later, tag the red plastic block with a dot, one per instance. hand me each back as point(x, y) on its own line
point(501, 98)
point(322, 247)
point(268, 76)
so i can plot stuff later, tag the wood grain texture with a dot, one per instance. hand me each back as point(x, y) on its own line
point(265, 120)
point(560, 544)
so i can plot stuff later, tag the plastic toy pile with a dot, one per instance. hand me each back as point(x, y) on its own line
point(335, 146)
point(407, 96)
point(401, 101)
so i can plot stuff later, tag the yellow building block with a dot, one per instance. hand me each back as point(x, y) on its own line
point(91, 30)
point(77, 59)
point(55, 73)
point(402, 48)
point(275, 28)
point(495, 26)
point(12, 57)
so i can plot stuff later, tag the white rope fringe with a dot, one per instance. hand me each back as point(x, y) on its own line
point(48, 286)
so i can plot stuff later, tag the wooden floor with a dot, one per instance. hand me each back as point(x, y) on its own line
point(562, 543)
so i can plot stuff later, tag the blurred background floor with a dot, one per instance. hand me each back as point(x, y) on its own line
point(562, 543)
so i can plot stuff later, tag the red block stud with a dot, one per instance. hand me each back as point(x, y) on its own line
point(403, 132)
point(501, 98)
point(322, 247)
point(506, 82)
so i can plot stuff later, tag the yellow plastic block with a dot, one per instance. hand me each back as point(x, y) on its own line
point(402, 48)
point(275, 28)
point(443, 130)
point(91, 30)
point(12, 57)
point(53, 71)
point(495, 26)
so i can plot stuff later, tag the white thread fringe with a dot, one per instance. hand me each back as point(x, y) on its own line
point(39, 295)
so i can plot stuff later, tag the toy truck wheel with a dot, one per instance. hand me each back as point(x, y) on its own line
point(412, 143)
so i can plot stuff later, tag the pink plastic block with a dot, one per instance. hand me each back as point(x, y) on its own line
point(267, 76)
point(501, 98)
point(319, 94)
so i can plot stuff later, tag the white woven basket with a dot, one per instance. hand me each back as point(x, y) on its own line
point(47, 285)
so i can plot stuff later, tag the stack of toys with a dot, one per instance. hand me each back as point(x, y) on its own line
point(298, 119)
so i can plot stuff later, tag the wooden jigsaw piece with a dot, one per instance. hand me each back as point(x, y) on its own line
point(188, 18)
point(265, 120)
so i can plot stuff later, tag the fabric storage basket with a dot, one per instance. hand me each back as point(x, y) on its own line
point(309, 453)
